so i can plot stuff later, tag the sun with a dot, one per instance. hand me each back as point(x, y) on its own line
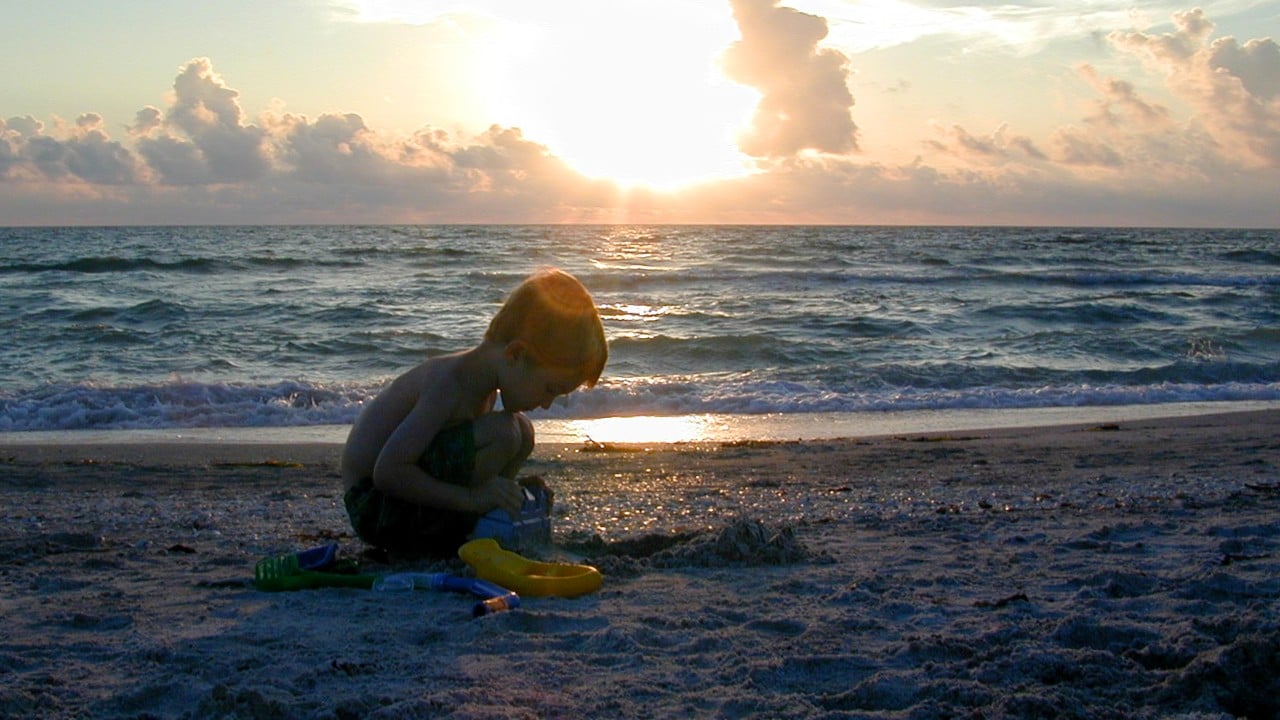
point(625, 90)
point(628, 91)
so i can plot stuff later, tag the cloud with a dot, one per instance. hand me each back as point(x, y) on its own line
point(1076, 146)
point(997, 147)
point(1133, 145)
point(211, 143)
point(1233, 88)
point(11, 141)
point(805, 103)
point(85, 154)
point(1119, 130)
point(339, 148)
point(203, 148)
point(148, 119)
point(1119, 103)
point(1011, 29)
point(1256, 64)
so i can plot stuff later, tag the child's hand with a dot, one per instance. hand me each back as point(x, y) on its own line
point(499, 492)
point(536, 481)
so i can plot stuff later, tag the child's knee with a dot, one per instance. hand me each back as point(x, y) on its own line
point(526, 437)
point(519, 440)
point(508, 433)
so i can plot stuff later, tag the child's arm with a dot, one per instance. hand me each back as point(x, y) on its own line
point(397, 472)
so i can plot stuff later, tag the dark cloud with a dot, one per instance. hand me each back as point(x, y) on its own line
point(1256, 64)
point(177, 161)
point(86, 154)
point(335, 148)
point(95, 158)
point(805, 102)
point(10, 150)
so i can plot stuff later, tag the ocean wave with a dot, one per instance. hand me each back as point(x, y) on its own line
point(925, 272)
point(111, 264)
point(1139, 278)
point(194, 265)
point(754, 398)
point(1254, 257)
point(1076, 314)
point(182, 404)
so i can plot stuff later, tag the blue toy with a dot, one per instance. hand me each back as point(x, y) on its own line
point(494, 598)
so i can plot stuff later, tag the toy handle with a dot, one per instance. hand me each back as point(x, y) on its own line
point(510, 601)
point(494, 598)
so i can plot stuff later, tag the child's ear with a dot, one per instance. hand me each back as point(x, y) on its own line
point(515, 351)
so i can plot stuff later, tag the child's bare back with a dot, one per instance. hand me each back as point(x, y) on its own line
point(431, 383)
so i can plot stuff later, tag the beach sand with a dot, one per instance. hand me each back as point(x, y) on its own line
point(1114, 570)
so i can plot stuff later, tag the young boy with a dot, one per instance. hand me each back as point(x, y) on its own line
point(430, 454)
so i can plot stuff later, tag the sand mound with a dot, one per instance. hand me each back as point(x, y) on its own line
point(744, 543)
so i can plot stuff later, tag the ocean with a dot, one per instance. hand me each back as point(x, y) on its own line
point(287, 328)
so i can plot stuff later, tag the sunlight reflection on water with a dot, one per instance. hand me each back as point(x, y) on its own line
point(644, 429)
point(712, 427)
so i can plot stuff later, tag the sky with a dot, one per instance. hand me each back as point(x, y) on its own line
point(1135, 113)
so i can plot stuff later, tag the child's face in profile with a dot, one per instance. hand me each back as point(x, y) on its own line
point(532, 385)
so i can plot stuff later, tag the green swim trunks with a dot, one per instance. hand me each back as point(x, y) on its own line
point(410, 529)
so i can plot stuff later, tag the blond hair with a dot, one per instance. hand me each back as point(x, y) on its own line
point(553, 316)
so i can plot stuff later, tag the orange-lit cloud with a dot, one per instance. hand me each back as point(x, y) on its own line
point(1121, 156)
point(805, 101)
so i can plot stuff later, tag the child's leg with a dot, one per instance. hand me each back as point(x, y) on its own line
point(504, 441)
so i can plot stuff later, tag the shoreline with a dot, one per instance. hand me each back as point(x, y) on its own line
point(1113, 569)
point(649, 430)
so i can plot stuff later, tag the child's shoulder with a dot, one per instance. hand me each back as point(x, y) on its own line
point(430, 371)
point(436, 374)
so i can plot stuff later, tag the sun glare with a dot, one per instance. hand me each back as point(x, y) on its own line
point(642, 429)
point(629, 91)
